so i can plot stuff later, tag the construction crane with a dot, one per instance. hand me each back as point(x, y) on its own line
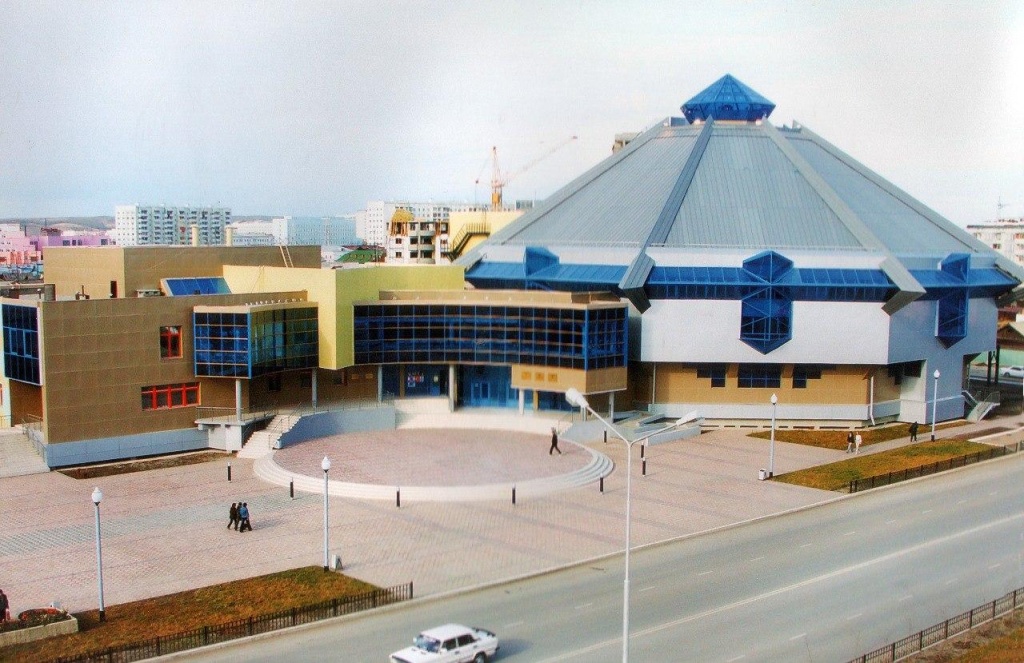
point(499, 179)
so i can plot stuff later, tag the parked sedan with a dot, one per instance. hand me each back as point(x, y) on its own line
point(451, 643)
point(1013, 371)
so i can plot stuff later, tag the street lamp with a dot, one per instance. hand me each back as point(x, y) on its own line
point(935, 400)
point(771, 452)
point(97, 497)
point(576, 399)
point(325, 465)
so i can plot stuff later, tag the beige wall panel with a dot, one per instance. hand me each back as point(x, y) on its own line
point(97, 355)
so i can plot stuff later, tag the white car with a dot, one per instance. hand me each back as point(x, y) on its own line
point(451, 643)
point(1013, 371)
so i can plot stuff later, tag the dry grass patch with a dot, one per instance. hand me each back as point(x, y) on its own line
point(96, 471)
point(838, 475)
point(836, 439)
point(130, 623)
point(999, 641)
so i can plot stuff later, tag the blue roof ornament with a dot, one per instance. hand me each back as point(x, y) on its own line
point(727, 99)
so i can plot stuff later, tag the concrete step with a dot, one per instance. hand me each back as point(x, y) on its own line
point(18, 455)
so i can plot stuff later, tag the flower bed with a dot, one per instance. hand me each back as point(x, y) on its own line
point(36, 624)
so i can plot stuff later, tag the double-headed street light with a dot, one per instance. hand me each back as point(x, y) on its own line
point(97, 497)
point(576, 399)
point(935, 400)
point(325, 465)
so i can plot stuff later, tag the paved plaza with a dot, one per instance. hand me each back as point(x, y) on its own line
point(165, 530)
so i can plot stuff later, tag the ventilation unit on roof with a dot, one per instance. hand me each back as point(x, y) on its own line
point(147, 292)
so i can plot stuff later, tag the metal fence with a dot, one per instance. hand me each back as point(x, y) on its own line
point(241, 628)
point(921, 640)
point(930, 468)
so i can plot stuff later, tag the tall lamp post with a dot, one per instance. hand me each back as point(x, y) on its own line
point(325, 465)
point(97, 497)
point(935, 400)
point(771, 448)
point(576, 399)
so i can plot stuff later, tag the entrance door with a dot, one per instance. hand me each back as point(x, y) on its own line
point(480, 392)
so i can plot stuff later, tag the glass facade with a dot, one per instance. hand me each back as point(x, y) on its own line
point(254, 343)
point(586, 339)
point(21, 343)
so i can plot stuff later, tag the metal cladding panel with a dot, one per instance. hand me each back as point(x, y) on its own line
point(896, 225)
point(747, 193)
point(620, 204)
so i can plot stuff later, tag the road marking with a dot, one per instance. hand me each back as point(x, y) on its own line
point(962, 502)
point(852, 617)
point(797, 637)
point(675, 623)
point(850, 533)
point(647, 589)
point(994, 566)
point(513, 625)
point(806, 545)
point(906, 598)
point(890, 522)
point(584, 606)
point(951, 581)
point(926, 511)
point(705, 573)
point(993, 493)
point(736, 658)
point(758, 559)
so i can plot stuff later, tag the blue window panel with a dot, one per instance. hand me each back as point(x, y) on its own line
point(21, 343)
point(766, 322)
point(951, 318)
point(759, 376)
point(213, 285)
point(768, 266)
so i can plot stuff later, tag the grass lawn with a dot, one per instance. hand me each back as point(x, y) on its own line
point(208, 606)
point(836, 439)
point(838, 475)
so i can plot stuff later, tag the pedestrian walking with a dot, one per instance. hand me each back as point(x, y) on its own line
point(554, 442)
point(5, 608)
point(849, 442)
point(243, 516)
point(913, 432)
point(856, 443)
point(233, 515)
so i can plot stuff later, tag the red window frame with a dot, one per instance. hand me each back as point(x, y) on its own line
point(170, 342)
point(170, 396)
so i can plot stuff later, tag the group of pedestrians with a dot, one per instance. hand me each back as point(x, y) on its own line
point(238, 517)
point(853, 443)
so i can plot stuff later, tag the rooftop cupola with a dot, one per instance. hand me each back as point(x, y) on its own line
point(727, 99)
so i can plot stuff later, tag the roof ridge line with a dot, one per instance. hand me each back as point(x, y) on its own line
point(567, 191)
point(893, 268)
point(670, 210)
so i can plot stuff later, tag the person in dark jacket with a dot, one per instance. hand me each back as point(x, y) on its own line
point(243, 516)
point(233, 515)
point(554, 442)
point(913, 432)
point(5, 612)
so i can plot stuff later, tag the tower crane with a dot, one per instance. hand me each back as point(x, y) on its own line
point(500, 179)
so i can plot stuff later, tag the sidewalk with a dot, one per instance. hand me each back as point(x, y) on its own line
point(165, 530)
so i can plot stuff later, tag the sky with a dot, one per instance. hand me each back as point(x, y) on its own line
point(314, 108)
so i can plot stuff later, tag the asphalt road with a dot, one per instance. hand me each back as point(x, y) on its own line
point(824, 584)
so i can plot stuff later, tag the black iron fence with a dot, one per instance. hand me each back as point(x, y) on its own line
point(921, 640)
point(241, 628)
point(931, 468)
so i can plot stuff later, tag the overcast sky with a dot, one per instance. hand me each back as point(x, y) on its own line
point(309, 108)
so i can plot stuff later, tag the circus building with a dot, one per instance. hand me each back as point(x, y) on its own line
point(759, 259)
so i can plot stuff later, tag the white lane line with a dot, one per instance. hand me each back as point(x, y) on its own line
point(805, 545)
point(951, 581)
point(890, 522)
point(993, 493)
point(850, 533)
point(962, 502)
point(687, 619)
point(736, 658)
point(926, 511)
point(647, 589)
point(584, 606)
point(797, 637)
point(857, 616)
point(513, 625)
point(705, 573)
point(758, 559)
point(994, 566)
point(905, 598)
